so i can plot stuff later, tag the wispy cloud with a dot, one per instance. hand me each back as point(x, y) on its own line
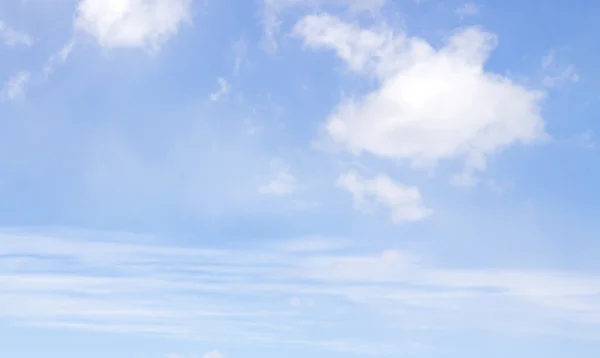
point(58, 58)
point(282, 183)
point(15, 88)
point(468, 9)
point(239, 49)
point(404, 202)
point(211, 354)
point(568, 75)
point(12, 37)
point(64, 281)
point(584, 139)
point(222, 91)
point(555, 73)
point(272, 10)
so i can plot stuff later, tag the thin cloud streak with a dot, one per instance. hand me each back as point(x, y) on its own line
point(75, 283)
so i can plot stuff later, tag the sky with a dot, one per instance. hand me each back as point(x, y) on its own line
point(324, 178)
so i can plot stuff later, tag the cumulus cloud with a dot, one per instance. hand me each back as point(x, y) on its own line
point(15, 88)
point(131, 23)
point(431, 104)
point(11, 37)
point(404, 202)
point(282, 183)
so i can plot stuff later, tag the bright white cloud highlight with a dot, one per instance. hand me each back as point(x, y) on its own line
point(404, 202)
point(431, 104)
point(11, 37)
point(555, 74)
point(15, 88)
point(131, 23)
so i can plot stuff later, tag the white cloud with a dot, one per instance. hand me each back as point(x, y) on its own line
point(222, 91)
point(499, 187)
point(213, 354)
point(282, 183)
point(272, 10)
point(131, 23)
point(12, 37)
point(240, 49)
point(548, 60)
point(112, 284)
point(431, 104)
point(353, 5)
point(584, 139)
point(556, 74)
point(57, 58)
point(568, 75)
point(468, 9)
point(404, 202)
point(15, 88)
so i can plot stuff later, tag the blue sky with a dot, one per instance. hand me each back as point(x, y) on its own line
point(333, 178)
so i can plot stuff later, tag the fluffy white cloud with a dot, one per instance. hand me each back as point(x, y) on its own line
point(431, 104)
point(131, 23)
point(12, 37)
point(283, 182)
point(404, 202)
point(15, 88)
